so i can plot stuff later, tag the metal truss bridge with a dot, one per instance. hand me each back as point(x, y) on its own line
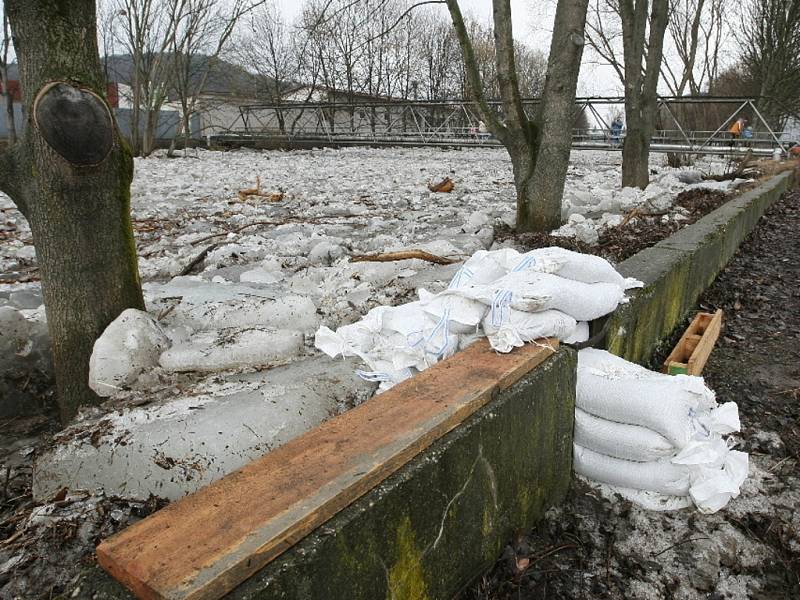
point(687, 124)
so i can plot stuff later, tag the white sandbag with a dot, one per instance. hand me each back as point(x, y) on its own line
point(710, 485)
point(531, 291)
point(586, 268)
point(656, 476)
point(582, 301)
point(354, 339)
point(463, 315)
point(620, 440)
point(483, 267)
point(577, 335)
point(509, 328)
point(614, 389)
point(515, 290)
point(713, 488)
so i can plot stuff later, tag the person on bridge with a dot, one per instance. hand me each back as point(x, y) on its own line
point(483, 131)
point(737, 128)
point(616, 129)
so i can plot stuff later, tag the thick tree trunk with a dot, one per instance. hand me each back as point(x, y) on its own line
point(544, 192)
point(10, 119)
point(70, 175)
point(641, 84)
point(539, 148)
point(635, 154)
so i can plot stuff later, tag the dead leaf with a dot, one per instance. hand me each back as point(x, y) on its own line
point(522, 563)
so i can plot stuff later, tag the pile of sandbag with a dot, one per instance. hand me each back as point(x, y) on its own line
point(510, 297)
point(659, 439)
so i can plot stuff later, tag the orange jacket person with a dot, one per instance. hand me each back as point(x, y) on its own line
point(737, 127)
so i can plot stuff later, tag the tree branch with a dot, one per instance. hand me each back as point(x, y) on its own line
point(473, 76)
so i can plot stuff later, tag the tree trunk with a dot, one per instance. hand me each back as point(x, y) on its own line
point(539, 148)
point(70, 176)
point(545, 190)
point(640, 85)
point(10, 120)
point(635, 154)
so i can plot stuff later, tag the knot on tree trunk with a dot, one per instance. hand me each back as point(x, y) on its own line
point(75, 122)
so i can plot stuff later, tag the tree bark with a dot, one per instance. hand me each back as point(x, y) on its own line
point(70, 175)
point(545, 190)
point(641, 101)
point(539, 148)
point(9, 98)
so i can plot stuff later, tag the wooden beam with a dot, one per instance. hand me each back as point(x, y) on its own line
point(703, 348)
point(204, 545)
point(693, 349)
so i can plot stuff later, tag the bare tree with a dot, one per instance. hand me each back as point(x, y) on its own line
point(770, 48)
point(201, 34)
point(695, 33)
point(146, 29)
point(539, 147)
point(640, 25)
point(70, 175)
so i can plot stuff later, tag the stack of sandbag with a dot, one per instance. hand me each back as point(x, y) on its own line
point(510, 297)
point(657, 438)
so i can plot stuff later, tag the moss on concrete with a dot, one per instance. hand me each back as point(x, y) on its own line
point(677, 270)
point(406, 578)
point(427, 530)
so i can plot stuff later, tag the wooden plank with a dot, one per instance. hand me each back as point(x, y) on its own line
point(691, 343)
point(704, 347)
point(681, 352)
point(204, 545)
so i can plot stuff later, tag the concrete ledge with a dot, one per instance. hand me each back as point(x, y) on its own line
point(678, 269)
point(426, 531)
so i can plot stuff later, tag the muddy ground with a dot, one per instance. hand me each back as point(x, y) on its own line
point(595, 548)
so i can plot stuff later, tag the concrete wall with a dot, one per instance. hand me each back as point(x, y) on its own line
point(428, 530)
point(678, 269)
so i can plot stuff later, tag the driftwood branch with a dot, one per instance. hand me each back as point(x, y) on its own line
point(405, 255)
point(197, 260)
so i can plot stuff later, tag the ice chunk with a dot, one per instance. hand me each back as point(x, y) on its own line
point(225, 349)
point(173, 447)
point(325, 253)
point(129, 345)
point(14, 330)
point(259, 275)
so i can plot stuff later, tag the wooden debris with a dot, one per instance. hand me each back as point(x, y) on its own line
point(245, 194)
point(446, 186)
point(693, 349)
point(197, 260)
point(404, 255)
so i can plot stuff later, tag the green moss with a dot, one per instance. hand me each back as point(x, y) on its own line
point(524, 499)
point(406, 576)
point(487, 525)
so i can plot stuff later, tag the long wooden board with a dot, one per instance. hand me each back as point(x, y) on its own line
point(204, 545)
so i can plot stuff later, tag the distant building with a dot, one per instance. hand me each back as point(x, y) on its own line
point(112, 94)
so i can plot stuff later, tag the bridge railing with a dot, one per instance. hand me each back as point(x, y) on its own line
point(459, 123)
